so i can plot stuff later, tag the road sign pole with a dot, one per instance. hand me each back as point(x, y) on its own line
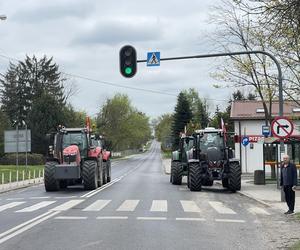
point(26, 146)
point(17, 156)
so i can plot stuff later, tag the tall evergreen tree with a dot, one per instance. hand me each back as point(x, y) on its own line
point(182, 116)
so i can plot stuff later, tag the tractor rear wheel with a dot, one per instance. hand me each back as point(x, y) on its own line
point(104, 173)
point(90, 175)
point(234, 178)
point(51, 184)
point(176, 173)
point(195, 177)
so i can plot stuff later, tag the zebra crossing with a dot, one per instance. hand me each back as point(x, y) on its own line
point(130, 205)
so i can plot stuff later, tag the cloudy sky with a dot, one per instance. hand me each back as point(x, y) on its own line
point(84, 38)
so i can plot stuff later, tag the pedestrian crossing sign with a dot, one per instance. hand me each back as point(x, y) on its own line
point(153, 58)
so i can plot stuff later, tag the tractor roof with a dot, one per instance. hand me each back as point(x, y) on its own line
point(73, 130)
point(208, 130)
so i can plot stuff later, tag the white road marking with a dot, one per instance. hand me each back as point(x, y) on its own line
point(39, 197)
point(94, 192)
point(128, 205)
point(11, 205)
point(190, 206)
point(27, 227)
point(67, 205)
point(190, 219)
point(36, 206)
point(221, 208)
point(258, 210)
point(97, 205)
point(112, 217)
point(65, 197)
point(229, 220)
point(70, 218)
point(24, 224)
point(159, 206)
point(151, 218)
point(183, 189)
point(14, 199)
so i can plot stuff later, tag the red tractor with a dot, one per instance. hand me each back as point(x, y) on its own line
point(75, 156)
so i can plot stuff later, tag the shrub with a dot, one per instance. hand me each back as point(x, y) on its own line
point(32, 159)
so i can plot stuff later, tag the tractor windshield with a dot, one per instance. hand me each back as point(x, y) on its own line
point(212, 144)
point(78, 139)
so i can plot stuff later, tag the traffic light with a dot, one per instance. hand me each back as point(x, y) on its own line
point(128, 64)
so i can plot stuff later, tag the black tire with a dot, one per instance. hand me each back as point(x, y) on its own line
point(195, 176)
point(176, 173)
point(108, 165)
point(51, 184)
point(104, 173)
point(63, 184)
point(90, 175)
point(234, 177)
point(225, 182)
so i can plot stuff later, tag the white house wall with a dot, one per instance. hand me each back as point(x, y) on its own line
point(252, 159)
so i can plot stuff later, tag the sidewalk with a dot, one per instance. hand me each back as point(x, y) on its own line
point(267, 194)
point(20, 184)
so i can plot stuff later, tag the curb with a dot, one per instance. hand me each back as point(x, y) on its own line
point(253, 198)
point(21, 186)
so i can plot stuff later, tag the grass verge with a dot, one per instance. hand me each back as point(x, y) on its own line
point(296, 246)
point(13, 173)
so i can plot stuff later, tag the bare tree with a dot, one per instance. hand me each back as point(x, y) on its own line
point(238, 31)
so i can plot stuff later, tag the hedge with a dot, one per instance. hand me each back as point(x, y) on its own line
point(32, 159)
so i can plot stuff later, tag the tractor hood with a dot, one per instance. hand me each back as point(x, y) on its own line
point(71, 150)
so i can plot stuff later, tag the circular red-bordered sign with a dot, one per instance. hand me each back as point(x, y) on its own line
point(282, 127)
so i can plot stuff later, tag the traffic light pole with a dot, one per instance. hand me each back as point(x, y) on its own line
point(235, 54)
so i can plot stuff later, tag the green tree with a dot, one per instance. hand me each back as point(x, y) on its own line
point(123, 125)
point(182, 116)
point(45, 116)
point(163, 131)
point(26, 81)
point(4, 124)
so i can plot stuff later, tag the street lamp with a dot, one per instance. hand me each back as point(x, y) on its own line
point(3, 17)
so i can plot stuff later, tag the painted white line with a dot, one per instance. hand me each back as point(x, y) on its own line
point(24, 224)
point(36, 206)
point(67, 205)
point(128, 205)
point(11, 205)
point(14, 199)
point(190, 206)
point(112, 217)
point(94, 192)
point(39, 197)
point(221, 208)
point(70, 218)
point(190, 219)
point(97, 205)
point(229, 220)
point(183, 189)
point(257, 210)
point(151, 218)
point(25, 228)
point(65, 197)
point(159, 206)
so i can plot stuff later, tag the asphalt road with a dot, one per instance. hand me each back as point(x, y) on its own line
point(139, 209)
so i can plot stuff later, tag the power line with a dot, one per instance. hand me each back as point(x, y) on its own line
point(116, 84)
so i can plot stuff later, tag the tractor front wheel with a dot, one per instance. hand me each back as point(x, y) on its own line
point(234, 178)
point(195, 177)
point(176, 173)
point(51, 184)
point(90, 175)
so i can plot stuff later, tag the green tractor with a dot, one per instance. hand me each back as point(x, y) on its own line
point(211, 159)
point(179, 160)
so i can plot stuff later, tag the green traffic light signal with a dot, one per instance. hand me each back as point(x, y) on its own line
point(128, 71)
point(128, 61)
